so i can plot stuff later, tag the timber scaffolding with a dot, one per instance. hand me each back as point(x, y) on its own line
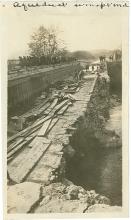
point(27, 147)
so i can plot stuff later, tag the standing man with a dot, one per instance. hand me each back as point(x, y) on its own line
point(80, 75)
point(87, 67)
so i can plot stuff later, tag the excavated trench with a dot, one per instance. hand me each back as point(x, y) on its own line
point(97, 165)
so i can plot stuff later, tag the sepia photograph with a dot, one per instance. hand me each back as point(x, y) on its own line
point(67, 88)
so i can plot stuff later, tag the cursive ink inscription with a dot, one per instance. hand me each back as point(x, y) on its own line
point(101, 5)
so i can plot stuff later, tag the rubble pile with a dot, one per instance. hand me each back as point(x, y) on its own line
point(58, 197)
point(66, 197)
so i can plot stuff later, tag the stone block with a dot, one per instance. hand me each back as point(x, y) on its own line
point(22, 197)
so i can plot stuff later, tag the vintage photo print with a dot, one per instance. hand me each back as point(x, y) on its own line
point(65, 108)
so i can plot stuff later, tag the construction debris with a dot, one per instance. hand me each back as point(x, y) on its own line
point(38, 122)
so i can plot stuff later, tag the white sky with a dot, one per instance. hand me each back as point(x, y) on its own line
point(81, 29)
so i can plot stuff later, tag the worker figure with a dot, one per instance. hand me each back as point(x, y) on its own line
point(111, 58)
point(92, 69)
point(76, 75)
point(101, 68)
point(102, 58)
point(87, 67)
point(80, 75)
point(98, 73)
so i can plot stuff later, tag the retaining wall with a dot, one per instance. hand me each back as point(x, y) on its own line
point(22, 90)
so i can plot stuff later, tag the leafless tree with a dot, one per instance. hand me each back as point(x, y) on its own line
point(44, 43)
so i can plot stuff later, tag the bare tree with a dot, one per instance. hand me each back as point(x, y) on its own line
point(46, 48)
point(44, 43)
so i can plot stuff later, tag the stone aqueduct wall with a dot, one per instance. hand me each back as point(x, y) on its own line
point(23, 89)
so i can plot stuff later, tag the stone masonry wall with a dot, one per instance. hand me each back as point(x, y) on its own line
point(24, 89)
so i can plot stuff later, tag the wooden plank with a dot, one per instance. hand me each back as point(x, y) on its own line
point(10, 159)
point(62, 107)
point(41, 121)
point(55, 110)
point(62, 110)
point(20, 141)
point(52, 124)
point(30, 160)
point(59, 106)
point(56, 119)
point(18, 134)
point(15, 150)
point(37, 139)
point(35, 108)
point(51, 106)
point(21, 132)
point(28, 129)
point(49, 123)
point(33, 134)
point(37, 123)
point(42, 109)
point(44, 128)
point(32, 131)
point(21, 145)
point(12, 146)
point(37, 111)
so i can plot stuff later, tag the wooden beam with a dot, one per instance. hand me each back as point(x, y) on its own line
point(12, 146)
point(43, 129)
point(19, 147)
point(39, 122)
point(51, 106)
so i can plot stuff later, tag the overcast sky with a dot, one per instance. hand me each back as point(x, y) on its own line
point(80, 29)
